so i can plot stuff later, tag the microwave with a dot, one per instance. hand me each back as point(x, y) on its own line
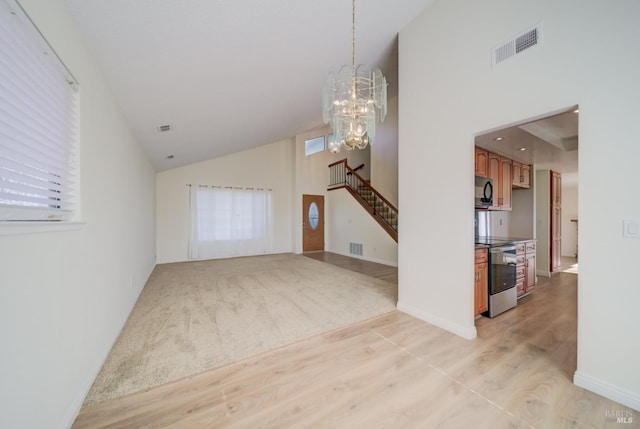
point(484, 192)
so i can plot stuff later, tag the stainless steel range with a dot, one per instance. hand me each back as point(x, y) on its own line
point(502, 262)
point(502, 279)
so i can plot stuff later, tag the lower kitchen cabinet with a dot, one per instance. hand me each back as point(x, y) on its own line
point(530, 265)
point(525, 267)
point(481, 282)
point(520, 269)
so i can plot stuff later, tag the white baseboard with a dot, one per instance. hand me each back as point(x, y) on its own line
point(543, 273)
point(466, 332)
point(608, 390)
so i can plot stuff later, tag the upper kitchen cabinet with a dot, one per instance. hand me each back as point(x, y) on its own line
point(525, 180)
point(482, 161)
point(521, 175)
point(506, 174)
point(493, 172)
point(504, 183)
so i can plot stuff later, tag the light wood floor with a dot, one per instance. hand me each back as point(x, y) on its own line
point(391, 372)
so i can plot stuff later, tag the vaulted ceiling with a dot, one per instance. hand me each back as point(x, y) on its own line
point(231, 75)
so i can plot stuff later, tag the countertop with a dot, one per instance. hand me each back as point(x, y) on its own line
point(491, 241)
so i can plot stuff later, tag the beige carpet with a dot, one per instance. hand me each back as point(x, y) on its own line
point(195, 316)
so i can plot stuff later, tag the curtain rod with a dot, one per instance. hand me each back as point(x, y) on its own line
point(248, 188)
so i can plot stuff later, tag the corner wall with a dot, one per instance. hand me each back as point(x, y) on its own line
point(65, 295)
point(344, 222)
point(269, 166)
point(384, 155)
point(449, 92)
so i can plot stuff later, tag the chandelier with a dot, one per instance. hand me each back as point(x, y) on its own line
point(351, 99)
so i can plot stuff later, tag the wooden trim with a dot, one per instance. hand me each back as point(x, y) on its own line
point(337, 187)
point(342, 161)
point(368, 185)
point(392, 232)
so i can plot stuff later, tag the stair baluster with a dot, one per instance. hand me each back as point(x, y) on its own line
point(385, 213)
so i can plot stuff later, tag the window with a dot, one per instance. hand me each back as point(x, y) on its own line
point(230, 221)
point(313, 145)
point(37, 123)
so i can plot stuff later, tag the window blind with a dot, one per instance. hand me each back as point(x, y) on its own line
point(37, 123)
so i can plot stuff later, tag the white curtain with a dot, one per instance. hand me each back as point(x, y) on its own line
point(228, 222)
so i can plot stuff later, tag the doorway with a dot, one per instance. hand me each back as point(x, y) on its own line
point(312, 223)
point(549, 145)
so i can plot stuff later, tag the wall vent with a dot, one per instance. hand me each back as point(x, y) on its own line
point(355, 249)
point(517, 45)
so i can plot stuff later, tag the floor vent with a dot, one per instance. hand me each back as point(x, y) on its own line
point(518, 44)
point(355, 249)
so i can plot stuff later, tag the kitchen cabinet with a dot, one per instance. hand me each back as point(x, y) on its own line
point(493, 172)
point(504, 183)
point(481, 282)
point(482, 160)
point(505, 173)
point(516, 172)
point(530, 266)
point(525, 267)
point(521, 175)
point(526, 176)
point(520, 269)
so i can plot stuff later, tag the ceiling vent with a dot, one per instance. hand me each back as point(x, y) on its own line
point(517, 45)
point(164, 128)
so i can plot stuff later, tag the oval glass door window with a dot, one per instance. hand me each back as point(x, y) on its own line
point(313, 215)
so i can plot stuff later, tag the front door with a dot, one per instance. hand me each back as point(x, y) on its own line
point(312, 223)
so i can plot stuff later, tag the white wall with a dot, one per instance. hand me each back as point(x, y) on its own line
point(312, 177)
point(268, 166)
point(569, 212)
point(65, 295)
point(523, 213)
point(449, 92)
point(384, 155)
point(283, 167)
point(500, 223)
point(348, 222)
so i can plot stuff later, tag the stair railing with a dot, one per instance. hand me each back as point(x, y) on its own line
point(385, 213)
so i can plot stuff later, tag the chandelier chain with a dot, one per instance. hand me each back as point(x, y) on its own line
point(353, 37)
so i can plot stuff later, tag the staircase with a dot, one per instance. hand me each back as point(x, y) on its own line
point(343, 176)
